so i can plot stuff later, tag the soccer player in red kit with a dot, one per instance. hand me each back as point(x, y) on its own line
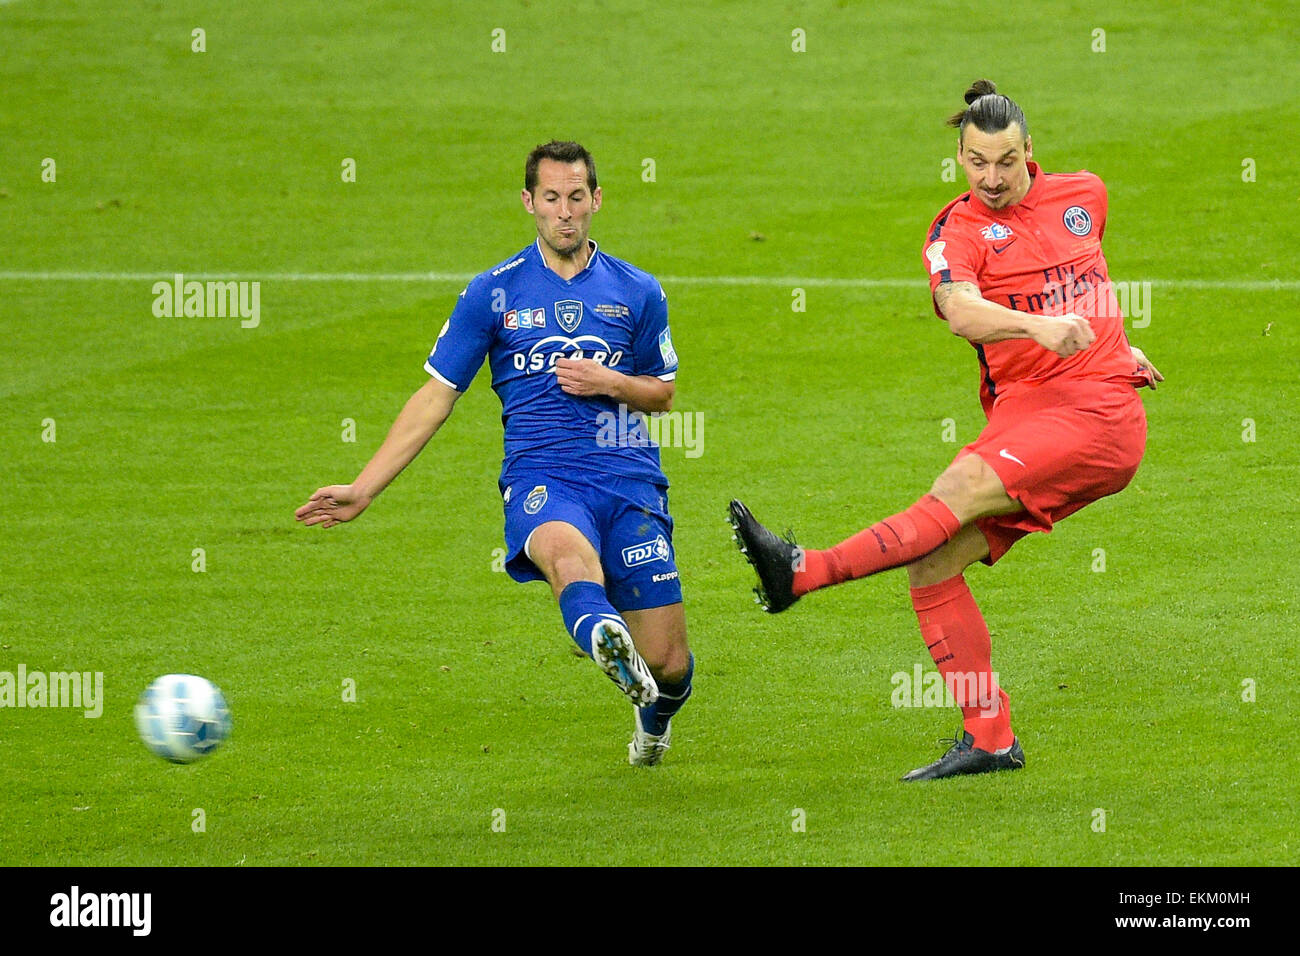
point(1016, 269)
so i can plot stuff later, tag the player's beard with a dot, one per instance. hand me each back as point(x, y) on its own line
point(1003, 199)
point(996, 201)
point(569, 250)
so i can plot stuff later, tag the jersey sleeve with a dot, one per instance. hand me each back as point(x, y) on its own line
point(1104, 200)
point(464, 340)
point(950, 256)
point(652, 343)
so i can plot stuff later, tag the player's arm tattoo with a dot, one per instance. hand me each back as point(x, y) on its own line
point(947, 291)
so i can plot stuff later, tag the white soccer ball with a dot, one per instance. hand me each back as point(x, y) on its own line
point(182, 717)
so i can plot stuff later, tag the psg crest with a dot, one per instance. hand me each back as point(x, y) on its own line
point(568, 313)
point(1078, 221)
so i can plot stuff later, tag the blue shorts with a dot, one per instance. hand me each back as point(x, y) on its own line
point(626, 521)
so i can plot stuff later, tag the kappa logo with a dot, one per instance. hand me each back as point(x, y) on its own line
point(505, 268)
point(535, 500)
point(995, 232)
point(568, 312)
point(646, 552)
point(525, 319)
point(1077, 220)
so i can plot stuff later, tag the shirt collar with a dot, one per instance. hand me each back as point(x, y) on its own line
point(591, 260)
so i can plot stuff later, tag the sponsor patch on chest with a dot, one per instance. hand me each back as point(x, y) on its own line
point(525, 319)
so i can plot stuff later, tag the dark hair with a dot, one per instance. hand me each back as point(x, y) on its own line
point(564, 152)
point(989, 110)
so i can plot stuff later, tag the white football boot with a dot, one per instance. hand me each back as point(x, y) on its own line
point(646, 750)
point(613, 650)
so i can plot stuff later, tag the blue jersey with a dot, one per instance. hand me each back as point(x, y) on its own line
point(524, 317)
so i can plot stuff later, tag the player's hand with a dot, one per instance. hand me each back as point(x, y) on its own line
point(1065, 334)
point(329, 506)
point(1144, 365)
point(584, 377)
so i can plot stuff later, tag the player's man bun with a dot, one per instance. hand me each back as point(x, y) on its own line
point(989, 110)
point(980, 88)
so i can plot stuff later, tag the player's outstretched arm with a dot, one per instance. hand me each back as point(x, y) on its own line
point(422, 416)
point(978, 320)
point(642, 393)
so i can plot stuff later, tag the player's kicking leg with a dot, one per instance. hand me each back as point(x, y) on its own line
point(936, 540)
point(660, 635)
point(968, 489)
point(571, 566)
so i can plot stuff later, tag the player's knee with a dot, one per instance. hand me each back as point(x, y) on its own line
point(563, 557)
point(937, 566)
point(669, 662)
point(968, 486)
point(564, 569)
point(662, 645)
point(949, 560)
point(678, 663)
point(958, 480)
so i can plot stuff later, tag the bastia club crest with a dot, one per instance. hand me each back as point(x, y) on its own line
point(535, 500)
point(568, 313)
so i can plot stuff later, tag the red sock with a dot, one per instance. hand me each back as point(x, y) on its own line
point(898, 540)
point(958, 640)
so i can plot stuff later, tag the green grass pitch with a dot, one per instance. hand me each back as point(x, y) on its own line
point(1159, 692)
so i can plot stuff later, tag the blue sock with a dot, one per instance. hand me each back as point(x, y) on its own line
point(584, 605)
point(654, 719)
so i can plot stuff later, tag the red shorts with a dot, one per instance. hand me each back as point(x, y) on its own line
point(1058, 447)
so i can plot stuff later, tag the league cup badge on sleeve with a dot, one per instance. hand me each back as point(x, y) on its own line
point(445, 326)
point(1078, 221)
point(934, 252)
point(666, 350)
point(568, 313)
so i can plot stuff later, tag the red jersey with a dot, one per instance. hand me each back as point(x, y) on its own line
point(1040, 255)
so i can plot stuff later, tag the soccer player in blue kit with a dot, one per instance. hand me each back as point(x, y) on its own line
point(571, 334)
